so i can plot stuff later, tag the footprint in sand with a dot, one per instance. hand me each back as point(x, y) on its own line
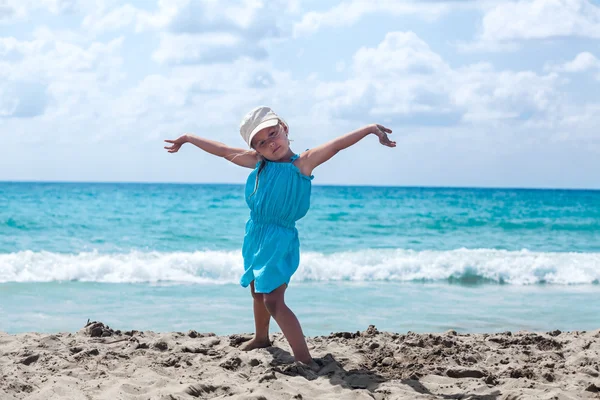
point(133, 389)
point(206, 391)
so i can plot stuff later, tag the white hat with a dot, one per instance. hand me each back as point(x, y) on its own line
point(260, 118)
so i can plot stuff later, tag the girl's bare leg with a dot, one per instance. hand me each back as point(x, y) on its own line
point(287, 321)
point(261, 322)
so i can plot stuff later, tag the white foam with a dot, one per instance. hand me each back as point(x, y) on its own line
point(219, 267)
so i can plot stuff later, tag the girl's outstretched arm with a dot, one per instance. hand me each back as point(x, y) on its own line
point(241, 157)
point(317, 156)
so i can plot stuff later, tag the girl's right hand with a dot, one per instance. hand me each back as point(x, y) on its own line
point(382, 132)
point(177, 143)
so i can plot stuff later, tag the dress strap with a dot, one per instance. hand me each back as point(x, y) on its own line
point(294, 157)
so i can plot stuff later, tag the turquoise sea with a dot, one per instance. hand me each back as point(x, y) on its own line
point(166, 257)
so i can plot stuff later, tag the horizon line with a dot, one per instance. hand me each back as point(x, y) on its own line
point(324, 185)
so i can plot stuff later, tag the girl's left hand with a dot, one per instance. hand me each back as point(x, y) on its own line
point(382, 132)
point(177, 143)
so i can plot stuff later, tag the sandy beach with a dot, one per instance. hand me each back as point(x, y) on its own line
point(101, 363)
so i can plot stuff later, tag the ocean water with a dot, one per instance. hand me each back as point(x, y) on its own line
point(166, 257)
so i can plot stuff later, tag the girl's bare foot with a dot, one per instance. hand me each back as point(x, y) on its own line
point(256, 344)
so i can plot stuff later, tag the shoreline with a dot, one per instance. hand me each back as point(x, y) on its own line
point(101, 363)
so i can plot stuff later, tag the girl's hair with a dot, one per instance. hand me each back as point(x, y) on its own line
point(260, 168)
point(263, 162)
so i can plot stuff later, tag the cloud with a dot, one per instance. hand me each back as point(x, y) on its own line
point(13, 10)
point(400, 52)
point(59, 6)
point(584, 61)
point(186, 89)
point(55, 76)
point(487, 94)
point(487, 46)
point(202, 31)
point(541, 19)
point(504, 25)
point(22, 99)
point(253, 19)
point(349, 12)
point(6, 11)
point(206, 48)
point(261, 79)
point(115, 19)
point(206, 31)
point(103, 16)
point(403, 80)
point(56, 59)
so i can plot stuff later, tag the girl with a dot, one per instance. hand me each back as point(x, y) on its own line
point(278, 194)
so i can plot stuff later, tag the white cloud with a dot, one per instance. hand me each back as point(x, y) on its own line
point(487, 46)
point(348, 13)
point(59, 6)
point(56, 76)
point(589, 114)
point(584, 61)
point(167, 10)
point(114, 19)
point(22, 99)
point(11, 10)
point(105, 16)
point(403, 79)
point(399, 76)
point(43, 34)
point(487, 94)
point(402, 52)
point(213, 90)
point(254, 19)
point(6, 11)
point(541, 19)
point(506, 24)
point(206, 48)
point(577, 126)
point(55, 59)
point(202, 31)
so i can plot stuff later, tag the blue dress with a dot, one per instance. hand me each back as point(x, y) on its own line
point(271, 248)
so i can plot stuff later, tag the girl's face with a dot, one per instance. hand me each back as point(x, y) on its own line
point(272, 143)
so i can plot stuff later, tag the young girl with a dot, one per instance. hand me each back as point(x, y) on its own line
point(278, 194)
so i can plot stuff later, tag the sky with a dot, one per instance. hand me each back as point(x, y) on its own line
point(477, 93)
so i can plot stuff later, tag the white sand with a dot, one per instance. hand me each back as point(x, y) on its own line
point(370, 365)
